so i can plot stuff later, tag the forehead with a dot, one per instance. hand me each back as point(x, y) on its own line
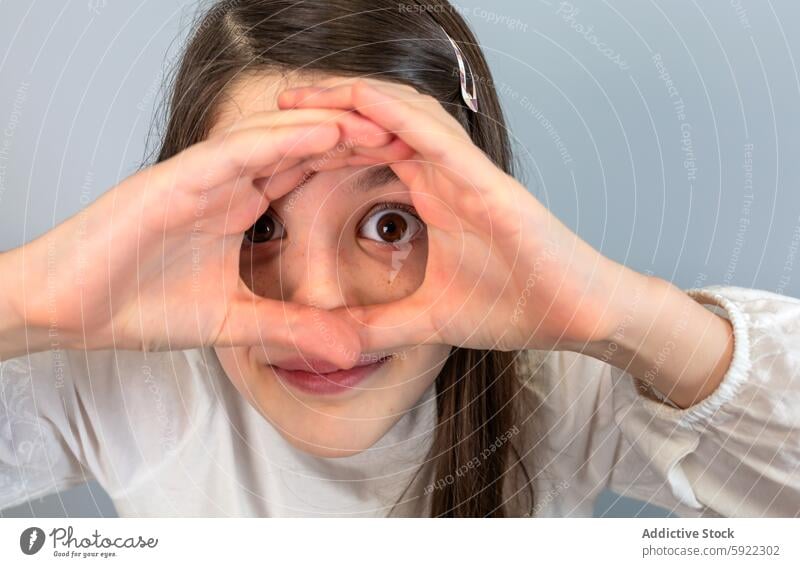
point(257, 92)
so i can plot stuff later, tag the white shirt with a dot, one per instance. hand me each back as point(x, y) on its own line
point(167, 434)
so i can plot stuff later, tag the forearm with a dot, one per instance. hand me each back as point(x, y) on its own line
point(668, 340)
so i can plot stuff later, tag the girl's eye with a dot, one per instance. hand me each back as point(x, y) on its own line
point(267, 228)
point(391, 223)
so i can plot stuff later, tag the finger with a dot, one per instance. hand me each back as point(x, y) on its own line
point(315, 332)
point(262, 152)
point(369, 140)
point(396, 151)
point(339, 81)
point(340, 96)
point(342, 155)
point(280, 184)
point(284, 164)
point(353, 126)
point(407, 321)
point(278, 118)
point(334, 93)
point(450, 148)
point(215, 161)
point(279, 181)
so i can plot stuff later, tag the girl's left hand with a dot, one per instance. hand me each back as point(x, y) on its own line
point(502, 272)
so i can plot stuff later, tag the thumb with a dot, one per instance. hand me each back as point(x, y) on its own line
point(386, 326)
point(314, 332)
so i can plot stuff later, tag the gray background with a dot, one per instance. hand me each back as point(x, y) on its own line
point(599, 139)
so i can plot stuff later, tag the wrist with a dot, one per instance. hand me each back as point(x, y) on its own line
point(632, 308)
point(672, 343)
point(625, 298)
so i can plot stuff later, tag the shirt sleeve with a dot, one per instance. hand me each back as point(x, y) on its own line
point(114, 416)
point(39, 451)
point(735, 453)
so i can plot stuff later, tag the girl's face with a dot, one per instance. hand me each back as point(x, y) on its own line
point(345, 237)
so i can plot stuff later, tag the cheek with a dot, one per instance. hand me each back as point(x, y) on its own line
point(260, 273)
point(391, 273)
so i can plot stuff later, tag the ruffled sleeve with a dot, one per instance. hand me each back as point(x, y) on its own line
point(736, 452)
point(40, 452)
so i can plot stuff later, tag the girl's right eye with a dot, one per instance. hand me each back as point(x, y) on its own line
point(266, 229)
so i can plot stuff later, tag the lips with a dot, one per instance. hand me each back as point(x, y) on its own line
point(322, 378)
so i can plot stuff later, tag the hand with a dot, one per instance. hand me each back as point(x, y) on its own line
point(503, 273)
point(154, 263)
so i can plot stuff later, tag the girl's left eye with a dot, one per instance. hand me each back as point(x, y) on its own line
point(391, 223)
point(267, 228)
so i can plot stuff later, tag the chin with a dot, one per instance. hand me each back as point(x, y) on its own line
point(340, 425)
point(335, 443)
point(346, 422)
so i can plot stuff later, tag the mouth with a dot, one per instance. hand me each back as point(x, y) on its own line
point(320, 378)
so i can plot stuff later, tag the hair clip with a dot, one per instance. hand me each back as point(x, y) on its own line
point(471, 99)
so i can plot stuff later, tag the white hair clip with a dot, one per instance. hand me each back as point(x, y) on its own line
point(470, 98)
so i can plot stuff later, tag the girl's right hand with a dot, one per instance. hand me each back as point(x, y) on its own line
point(153, 264)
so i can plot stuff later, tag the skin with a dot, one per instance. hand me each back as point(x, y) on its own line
point(494, 268)
point(323, 260)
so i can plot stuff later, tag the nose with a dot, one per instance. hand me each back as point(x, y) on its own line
point(316, 277)
point(310, 272)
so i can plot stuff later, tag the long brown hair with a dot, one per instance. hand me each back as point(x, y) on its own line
point(477, 390)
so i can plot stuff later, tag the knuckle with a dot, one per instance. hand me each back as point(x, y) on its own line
point(359, 89)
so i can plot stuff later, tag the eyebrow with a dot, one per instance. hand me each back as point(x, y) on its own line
point(373, 178)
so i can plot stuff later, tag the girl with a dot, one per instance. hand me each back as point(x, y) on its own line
point(330, 296)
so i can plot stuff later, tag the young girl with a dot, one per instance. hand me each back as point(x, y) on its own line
point(330, 297)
